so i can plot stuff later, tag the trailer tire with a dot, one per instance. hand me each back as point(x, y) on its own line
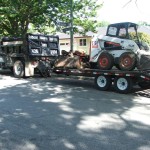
point(144, 85)
point(18, 69)
point(103, 83)
point(105, 61)
point(123, 84)
point(127, 61)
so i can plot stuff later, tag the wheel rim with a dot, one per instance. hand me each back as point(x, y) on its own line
point(103, 61)
point(122, 84)
point(126, 61)
point(101, 81)
point(18, 68)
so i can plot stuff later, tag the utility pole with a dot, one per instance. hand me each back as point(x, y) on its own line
point(71, 25)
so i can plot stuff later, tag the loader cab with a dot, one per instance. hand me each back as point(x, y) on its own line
point(125, 30)
point(122, 30)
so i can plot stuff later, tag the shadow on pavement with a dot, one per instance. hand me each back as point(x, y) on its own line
point(53, 113)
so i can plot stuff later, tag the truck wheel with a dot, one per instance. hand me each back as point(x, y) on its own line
point(123, 84)
point(49, 73)
point(46, 73)
point(105, 61)
point(102, 82)
point(18, 69)
point(144, 85)
point(127, 61)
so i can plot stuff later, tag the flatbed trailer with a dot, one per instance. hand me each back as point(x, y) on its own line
point(123, 81)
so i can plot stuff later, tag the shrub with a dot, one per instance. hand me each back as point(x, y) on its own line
point(142, 37)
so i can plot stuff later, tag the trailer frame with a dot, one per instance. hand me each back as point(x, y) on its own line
point(123, 81)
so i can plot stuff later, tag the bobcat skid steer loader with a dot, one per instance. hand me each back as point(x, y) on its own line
point(120, 47)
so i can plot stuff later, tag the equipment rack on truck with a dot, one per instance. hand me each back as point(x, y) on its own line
point(122, 81)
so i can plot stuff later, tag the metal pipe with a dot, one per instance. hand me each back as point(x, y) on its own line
point(71, 25)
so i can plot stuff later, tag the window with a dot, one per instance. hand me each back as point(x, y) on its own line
point(112, 31)
point(82, 42)
point(122, 33)
point(132, 34)
point(62, 43)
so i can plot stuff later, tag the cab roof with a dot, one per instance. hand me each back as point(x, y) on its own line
point(123, 25)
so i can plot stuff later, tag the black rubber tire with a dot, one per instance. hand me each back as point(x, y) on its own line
point(46, 73)
point(11, 69)
point(144, 85)
point(127, 61)
point(123, 85)
point(105, 61)
point(103, 83)
point(93, 65)
point(49, 73)
point(117, 66)
point(18, 69)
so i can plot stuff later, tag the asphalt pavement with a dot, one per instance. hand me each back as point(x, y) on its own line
point(62, 113)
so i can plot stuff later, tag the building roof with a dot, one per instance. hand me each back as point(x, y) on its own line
point(67, 36)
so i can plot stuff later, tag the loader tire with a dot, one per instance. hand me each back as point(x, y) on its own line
point(105, 61)
point(127, 61)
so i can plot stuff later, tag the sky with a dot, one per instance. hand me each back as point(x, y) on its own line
point(115, 11)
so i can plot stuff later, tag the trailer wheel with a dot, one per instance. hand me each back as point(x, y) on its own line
point(144, 85)
point(127, 61)
point(18, 69)
point(123, 84)
point(105, 61)
point(103, 83)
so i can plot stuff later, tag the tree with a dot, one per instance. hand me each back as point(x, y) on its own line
point(129, 1)
point(16, 16)
point(143, 37)
point(143, 23)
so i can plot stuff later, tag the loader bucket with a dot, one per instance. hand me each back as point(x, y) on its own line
point(144, 62)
